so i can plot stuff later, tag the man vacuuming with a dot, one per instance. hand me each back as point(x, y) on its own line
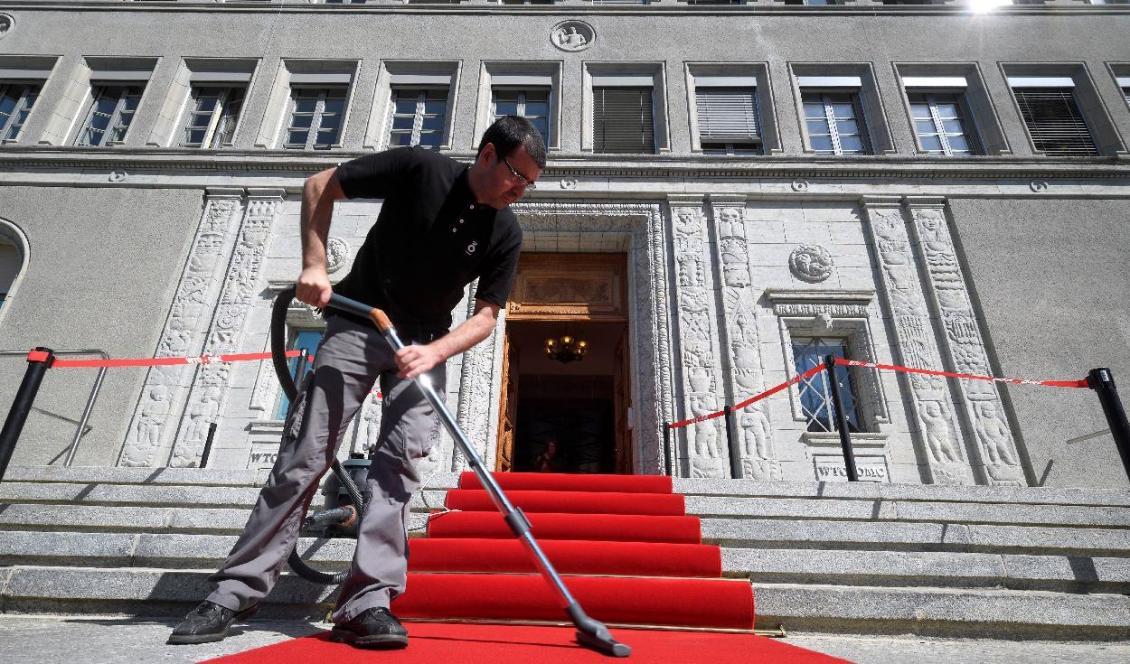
point(442, 225)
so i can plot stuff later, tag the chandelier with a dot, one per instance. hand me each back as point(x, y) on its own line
point(566, 348)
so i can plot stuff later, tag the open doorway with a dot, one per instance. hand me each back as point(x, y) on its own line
point(560, 413)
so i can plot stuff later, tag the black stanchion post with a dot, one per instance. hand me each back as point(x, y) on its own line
point(667, 462)
point(735, 456)
point(1102, 381)
point(841, 419)
point(21, 405)
point(208, 445)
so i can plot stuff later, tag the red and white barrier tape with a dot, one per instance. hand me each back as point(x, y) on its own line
point(58, 363)
point(757, 397)
point(949, 374)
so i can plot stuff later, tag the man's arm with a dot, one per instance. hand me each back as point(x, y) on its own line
point(415, 360)
point(318, 196)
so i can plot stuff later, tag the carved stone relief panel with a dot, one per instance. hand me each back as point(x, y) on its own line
point(707, 450)
point(240, 291)
point(738, 328)
point(153, 425)
point(940, 439)
point(962, 339)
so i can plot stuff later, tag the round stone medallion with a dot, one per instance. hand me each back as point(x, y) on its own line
point(811, 263)
point(572, 36)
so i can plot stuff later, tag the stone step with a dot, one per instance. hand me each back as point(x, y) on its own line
point(196, 496)
point(826, 608)
point(937, 569)
point(840, 567)
point(687, 486)
point(876, 535)
point(1013, 614)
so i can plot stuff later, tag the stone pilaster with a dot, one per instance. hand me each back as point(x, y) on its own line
point(939, 437)
point(963, 344)
point(699, 353)
point(153, 425)
point(744, 372)
point(241, 287)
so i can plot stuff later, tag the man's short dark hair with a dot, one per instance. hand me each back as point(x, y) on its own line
point(510, 131)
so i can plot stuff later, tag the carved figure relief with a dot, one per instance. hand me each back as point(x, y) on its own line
point(811, 263)
point(6, 24)
point(962, 339)
point(368, 427)
point(572, 36)
point(929, 394)
point(239, 291)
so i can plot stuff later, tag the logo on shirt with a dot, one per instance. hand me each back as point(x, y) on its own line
point(471, 247)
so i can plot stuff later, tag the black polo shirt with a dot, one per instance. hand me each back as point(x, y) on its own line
point(430, 240)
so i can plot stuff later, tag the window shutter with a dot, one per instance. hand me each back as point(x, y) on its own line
point(622, 120)
point(727, 114)
point(1055, 123)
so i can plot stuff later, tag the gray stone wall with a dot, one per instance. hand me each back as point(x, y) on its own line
point(101, 272)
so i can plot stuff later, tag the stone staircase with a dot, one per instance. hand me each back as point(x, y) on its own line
point(865, 558)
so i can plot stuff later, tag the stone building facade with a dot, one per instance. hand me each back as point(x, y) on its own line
point(1009, 260)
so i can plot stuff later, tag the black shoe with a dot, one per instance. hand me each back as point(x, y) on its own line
point(207, 622)
point(372, 628)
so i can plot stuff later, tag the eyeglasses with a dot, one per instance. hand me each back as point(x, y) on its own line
point(528, 184)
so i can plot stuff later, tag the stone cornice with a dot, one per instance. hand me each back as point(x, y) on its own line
point(66, 162)
point(472, 8)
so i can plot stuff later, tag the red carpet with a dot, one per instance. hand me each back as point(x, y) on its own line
point(626, 549)
point(501, 644)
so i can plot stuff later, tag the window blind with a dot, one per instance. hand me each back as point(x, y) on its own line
point(1055, 123)
point(622, 120)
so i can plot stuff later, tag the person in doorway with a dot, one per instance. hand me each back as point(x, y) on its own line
point(442, 225)
point(546, 462)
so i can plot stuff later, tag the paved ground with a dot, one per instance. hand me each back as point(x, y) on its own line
point(105, 640)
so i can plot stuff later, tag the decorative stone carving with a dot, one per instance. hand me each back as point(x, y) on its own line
point(572, 36)
point(118, 176)
point(147, 438)
point(1038, 186)
point(800, 185)
point(337, 254)
point(929, 394)
point(811, 263)
point(6, 25)
point(981, 404)
point(568, 184)
point(240, 289)
point(367, 430)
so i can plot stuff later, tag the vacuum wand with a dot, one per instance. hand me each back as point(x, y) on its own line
point(590, 633)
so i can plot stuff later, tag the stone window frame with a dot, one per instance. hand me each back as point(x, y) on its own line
point(869, 100)
point(656, 71)
point(94, 71)
point(799, 313)
point(1095, 114)
point(1120, 72)
point(27, 70)
point(970, 83)
point(196, 72)
point(267, 393)
point(763, 94)
point(511, 73)
point(303, 72)
point(414, 73)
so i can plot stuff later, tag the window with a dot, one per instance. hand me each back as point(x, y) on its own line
point(815, 393)
point(303, 340)
point(16, 100)
point(623, 120)
point(834, 122)
point(728, 120)
point(110, 115)
point(419, 116)
point(315, 118)
point(940, 123)
point(532, 104)
point(212, 116)
point(1054, 121)
point(1124, 84)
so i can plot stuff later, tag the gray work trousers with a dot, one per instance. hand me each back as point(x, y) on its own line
point(351, 358)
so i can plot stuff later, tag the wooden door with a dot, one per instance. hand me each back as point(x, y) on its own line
point(622, 399)
point(508, 406)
